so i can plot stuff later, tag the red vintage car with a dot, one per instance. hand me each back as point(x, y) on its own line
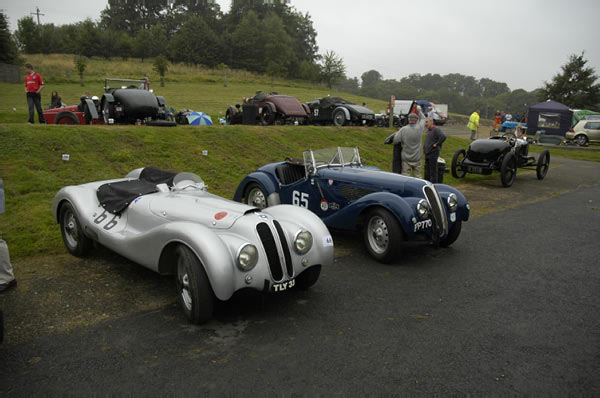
point(85, 112)
point(268, 109)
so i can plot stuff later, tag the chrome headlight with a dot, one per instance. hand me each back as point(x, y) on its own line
point(452, 202)
point(423, 208)
point(303, 242)
point(247, 257)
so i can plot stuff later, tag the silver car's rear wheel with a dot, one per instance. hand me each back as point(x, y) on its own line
point(256, 196)
point(75, 241)
point(581, 140)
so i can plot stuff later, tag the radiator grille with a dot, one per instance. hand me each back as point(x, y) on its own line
point(286, 250)
point(351, 192)
point(437, 209)
point(268, 241)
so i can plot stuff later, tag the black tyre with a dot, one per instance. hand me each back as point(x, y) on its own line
point(543, 163)
point(339, 118)
point(267, 115)
point(452, 234)
point(457, 161)
point(194, 292)
point(256, 196)
point(508, 170)
point(229, 115)
point(161, 123)
point(107, 111)
point(72, 233)
point(66, 117)
point(382, 235)
point(581, 140)
point(309, 277)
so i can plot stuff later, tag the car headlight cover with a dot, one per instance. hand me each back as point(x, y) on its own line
point(422, 208)
point(247, 257)
point(452, 202)
point(303, 242)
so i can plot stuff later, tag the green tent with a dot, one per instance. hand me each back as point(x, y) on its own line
point(579, 114)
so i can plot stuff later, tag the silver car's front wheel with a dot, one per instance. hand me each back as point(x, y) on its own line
point(256, 196)
point(382, 233)
point(75, 241)
point(194, 291)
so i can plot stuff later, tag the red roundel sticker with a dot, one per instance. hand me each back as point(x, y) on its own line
point(220, 215)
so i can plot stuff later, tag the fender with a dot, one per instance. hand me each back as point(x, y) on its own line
point(108, 97)
point(270, 105)
point(91, 108)
point(161, 100)
point(265, 181)
point(463, 211)
point(350, 216)
point(346, 111)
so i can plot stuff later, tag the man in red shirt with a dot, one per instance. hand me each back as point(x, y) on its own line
point(33, 86)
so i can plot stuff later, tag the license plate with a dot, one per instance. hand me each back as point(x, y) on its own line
point(119, 109)
point(280, 287)
point(476, 170)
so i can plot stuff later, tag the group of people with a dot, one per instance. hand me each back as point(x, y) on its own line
point(407, 147)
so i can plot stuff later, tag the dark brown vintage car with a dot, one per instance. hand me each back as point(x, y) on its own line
point(268, 109)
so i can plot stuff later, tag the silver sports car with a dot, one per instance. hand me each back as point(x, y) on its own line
point(169, 223)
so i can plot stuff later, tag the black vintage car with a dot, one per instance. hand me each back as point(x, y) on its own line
point(339, 112)
point(129, 102)
point(504, 153)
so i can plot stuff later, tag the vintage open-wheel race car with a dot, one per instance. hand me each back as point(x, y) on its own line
point(504, 153)
point(268, 109)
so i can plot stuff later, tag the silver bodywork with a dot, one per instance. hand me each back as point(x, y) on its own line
point(215, 229)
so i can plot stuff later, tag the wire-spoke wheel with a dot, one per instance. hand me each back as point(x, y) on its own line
point(256, 196)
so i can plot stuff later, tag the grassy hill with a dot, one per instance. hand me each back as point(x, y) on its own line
point(187, 87)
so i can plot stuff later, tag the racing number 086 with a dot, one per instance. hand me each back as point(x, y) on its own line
point(300, 199)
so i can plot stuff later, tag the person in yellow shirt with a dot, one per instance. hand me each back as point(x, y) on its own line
point(473, 124)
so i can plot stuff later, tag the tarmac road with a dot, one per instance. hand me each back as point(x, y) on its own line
point(511, 308)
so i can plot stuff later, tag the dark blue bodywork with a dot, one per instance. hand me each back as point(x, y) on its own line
point(342, 195)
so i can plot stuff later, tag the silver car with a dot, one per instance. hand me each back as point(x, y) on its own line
point(170, 224)
point(584, 132)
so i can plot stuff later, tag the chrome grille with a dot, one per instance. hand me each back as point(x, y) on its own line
point(270, 246)
point(286, 250)
point(438, 211)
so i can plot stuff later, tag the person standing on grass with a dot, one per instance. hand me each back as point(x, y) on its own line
point(409, 139)
point(7, 278)
point(432, 147)
point(33, 87)
point(473, 124)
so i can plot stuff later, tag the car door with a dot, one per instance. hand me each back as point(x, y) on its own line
point(593, 130)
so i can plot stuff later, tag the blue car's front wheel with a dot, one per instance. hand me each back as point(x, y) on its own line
point(256, 196)
point(382, 235)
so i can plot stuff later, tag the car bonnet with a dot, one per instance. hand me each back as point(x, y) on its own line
point(209, 210)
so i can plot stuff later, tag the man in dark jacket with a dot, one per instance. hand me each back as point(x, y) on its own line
point(432, 147)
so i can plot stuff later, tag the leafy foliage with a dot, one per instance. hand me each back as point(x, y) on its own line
point(8, 48)
point(576, 86)
point(333, 69)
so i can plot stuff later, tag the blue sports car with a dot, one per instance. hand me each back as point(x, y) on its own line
point(388, 208)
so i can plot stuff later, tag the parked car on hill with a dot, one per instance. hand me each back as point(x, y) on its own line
point(339, 112)
point(125, 101)
point(388, 208)
point(215, 247)
point(503, 153)
point(585, 131)
point(268, 109)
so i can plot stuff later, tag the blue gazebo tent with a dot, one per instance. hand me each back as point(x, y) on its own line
point(552, 117)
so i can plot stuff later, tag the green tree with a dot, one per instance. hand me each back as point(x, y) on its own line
point(89, 39)
point(576, 86)
point(161, 66)
point(142, 44)
point(333, 69)
point(80, 65)
point(125, 45)
point(196, 43)
point(28, 36)
point(277, 46)
point(247, 44)
point(8, 48)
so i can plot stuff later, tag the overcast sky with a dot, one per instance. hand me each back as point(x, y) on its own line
point(522, 43)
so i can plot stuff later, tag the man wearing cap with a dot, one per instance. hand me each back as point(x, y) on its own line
point(409, 137)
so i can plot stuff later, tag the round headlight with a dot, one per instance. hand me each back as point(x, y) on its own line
point(422, 208)
point(452, 202)
point(247, 257)
point(303, 242)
